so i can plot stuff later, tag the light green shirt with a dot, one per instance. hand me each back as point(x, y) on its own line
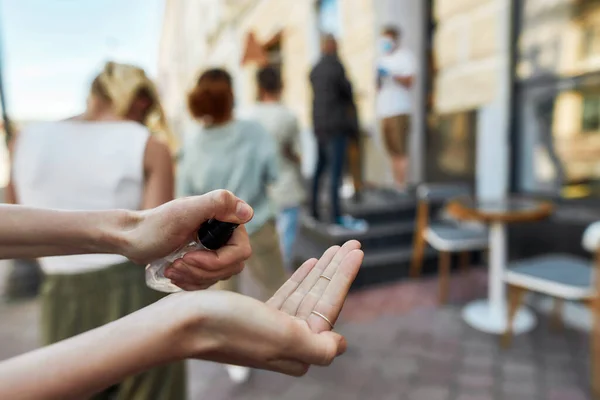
point(239, 156)
point(283, 126)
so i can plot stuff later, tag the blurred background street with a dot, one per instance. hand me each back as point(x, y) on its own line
point(462, 137)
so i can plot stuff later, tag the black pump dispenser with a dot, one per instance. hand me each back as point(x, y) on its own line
point(214, 234)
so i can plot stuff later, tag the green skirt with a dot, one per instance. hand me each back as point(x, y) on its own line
point(75, 303)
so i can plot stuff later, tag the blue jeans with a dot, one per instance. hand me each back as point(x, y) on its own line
point(287, 226)
point(332, 155)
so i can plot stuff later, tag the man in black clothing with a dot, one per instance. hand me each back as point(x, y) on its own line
point(334, 121)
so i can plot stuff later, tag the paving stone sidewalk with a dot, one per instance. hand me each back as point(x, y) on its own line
point(425, 355)
point(401, 346)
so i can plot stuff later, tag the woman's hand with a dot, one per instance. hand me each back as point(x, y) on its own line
point(158, 232)
point(286, 334)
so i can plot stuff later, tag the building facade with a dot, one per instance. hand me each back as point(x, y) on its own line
point(239, 35)
point(507, 95)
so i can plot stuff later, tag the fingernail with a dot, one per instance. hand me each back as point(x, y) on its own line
point(243, 211)
point(341, 347)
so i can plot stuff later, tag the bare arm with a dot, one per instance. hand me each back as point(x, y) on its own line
point(139, 235)
point(29, 232)
point(10, 196)
point(291, 148)
point(406, 81)
point(159, 175)
point(81, 366)
point(344, 85)
point(283, 335)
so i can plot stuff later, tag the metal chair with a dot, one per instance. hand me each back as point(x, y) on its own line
point(445, 234)
point(563, 277)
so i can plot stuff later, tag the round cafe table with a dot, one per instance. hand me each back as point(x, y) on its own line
point(489, 315)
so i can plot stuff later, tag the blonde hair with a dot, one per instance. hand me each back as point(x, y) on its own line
point(120, 84)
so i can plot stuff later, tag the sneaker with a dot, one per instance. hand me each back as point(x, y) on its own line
point(353, 224)
point(238, 374)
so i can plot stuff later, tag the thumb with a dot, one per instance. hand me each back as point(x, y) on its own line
point(223, 206)
point(319, 348)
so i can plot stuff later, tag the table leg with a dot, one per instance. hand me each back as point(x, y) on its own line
point(490, 315)
point(496, 287)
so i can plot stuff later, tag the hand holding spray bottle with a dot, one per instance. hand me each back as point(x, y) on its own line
point(211, 236)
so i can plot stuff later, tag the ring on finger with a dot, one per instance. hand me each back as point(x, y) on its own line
point(325, 277)
point(318, 314)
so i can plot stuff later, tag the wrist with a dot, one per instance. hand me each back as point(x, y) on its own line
point(115, 231)
point(195, 338)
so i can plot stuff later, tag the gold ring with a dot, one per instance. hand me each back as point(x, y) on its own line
point(318, 314)
point(326, 277)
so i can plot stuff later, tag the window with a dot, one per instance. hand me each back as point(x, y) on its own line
point(590, 118)
point(329, 17)
point(273, 52)
point(451, 147)
point(558, 99)
point(591, 40)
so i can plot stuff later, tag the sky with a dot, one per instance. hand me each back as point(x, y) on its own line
point(52, 49)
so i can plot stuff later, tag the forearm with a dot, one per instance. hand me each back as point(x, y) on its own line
point(30, 232)
point(290, 153)
point(10, 196)
point(78, 367)
point(406, 81)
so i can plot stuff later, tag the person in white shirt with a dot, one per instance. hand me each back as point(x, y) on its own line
point(115, 155)
point(288, 191)
point(395, 76)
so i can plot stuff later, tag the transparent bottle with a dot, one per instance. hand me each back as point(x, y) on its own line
point(211, 236)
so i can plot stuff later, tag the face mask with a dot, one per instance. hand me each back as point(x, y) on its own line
point(387, 45)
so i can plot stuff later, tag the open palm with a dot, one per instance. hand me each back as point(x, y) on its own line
point(315, 294)
point(290, 331)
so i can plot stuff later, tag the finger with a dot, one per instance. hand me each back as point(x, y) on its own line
point(196, 274)
point(290, 305)
point(291, 284)
point(331, 302)
point(181, 272)
point(190, 287)
point(318, 348)
point(311, 299)
point(225, 206)
point(236, 250)
point(289, 367)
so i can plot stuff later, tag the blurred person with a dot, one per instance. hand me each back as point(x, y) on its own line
point(100, 160)
point(355, 158)
point(280, 122)
point(288, 334)
point(335, 121)
point(239, 156)
point(396, 70)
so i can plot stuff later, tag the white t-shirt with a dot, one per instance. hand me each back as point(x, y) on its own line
point(78, 165)
point(393, 98)
point(283, 126)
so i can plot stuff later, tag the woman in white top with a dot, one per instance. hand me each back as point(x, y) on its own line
point(106, 158)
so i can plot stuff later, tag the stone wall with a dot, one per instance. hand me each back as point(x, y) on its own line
point(468, 53)
point(295, 21)
point(268, 19)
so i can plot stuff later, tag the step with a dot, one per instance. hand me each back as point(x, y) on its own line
point(392, 265)
point(379, 265)
point(380, 206)
point(376, 207)
point(378, 236)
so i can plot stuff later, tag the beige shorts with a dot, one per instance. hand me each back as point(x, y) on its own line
point(395, 131)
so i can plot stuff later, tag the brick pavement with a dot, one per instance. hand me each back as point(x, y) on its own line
point(401, 346)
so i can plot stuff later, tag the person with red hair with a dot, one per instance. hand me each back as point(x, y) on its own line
point(239, 156)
